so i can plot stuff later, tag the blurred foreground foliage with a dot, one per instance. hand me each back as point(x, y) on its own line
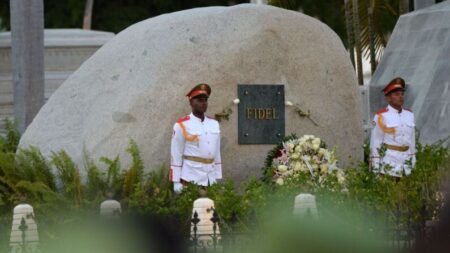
point(61, 195)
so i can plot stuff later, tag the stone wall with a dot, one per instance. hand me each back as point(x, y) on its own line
point(65, 51)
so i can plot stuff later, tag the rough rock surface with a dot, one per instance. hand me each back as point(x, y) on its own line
point(134, 86)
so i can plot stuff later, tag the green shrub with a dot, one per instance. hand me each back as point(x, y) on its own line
point(59, 195)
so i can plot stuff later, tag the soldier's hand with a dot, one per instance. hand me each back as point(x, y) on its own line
point(177, 187)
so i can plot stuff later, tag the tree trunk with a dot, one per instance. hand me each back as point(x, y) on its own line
point(87, 20)
point(373, 63)
point(357, 42)
point(349, 28)
point(27, 59)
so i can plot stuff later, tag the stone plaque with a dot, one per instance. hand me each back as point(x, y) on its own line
point(260, 114)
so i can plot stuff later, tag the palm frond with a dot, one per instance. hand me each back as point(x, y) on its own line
point(113, 177)
point(34, 192)
point(69, 176)
point(134, 175)
point(7, 187)
point(7, 166)
point(12, 136)
point(33, 166)
point(95, 185)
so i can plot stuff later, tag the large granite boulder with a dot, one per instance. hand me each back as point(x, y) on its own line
point(419, 51)
point(134, 87)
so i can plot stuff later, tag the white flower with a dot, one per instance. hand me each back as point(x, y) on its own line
point(340, 176)
point(303, 168)
point(290, 147)
point(306, 145)
point(323, 168)
point(333, 166)
point(236, 101)
point(282, 168)
point(303, 140)
point(315, 146)
point(289, 103)
point(325, 154)
point(297, 166)
point(304, 155)
point(316, 141)
point(279, 181)
point(322, 152)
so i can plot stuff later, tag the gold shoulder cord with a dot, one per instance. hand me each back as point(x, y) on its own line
point(388, 130)
point(185, 134)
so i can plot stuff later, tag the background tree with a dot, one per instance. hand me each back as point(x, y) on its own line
point(375, 29)
point(110, 15)
point(330, 12)
point(87, 20)
point(116, 15)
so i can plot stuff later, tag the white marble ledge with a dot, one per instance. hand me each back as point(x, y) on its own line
point(66, 37)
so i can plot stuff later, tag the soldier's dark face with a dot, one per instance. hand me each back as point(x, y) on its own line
point(199, 104)
point(396, 98)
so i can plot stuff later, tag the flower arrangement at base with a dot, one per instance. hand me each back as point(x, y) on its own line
point(304, 160)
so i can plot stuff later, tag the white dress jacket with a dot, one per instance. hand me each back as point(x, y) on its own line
point(394, 128)
point(193, 137)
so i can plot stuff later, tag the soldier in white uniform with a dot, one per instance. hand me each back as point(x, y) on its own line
point(195, 148)
point(393, 134)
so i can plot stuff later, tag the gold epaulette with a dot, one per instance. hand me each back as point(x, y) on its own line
point(388, 130)
point(185, 134)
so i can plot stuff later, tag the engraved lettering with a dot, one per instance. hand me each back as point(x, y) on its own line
point(261, 113)
point(249, 112)
point(269, 113)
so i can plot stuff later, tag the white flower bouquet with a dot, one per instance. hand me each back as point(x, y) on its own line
point(309, 156)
